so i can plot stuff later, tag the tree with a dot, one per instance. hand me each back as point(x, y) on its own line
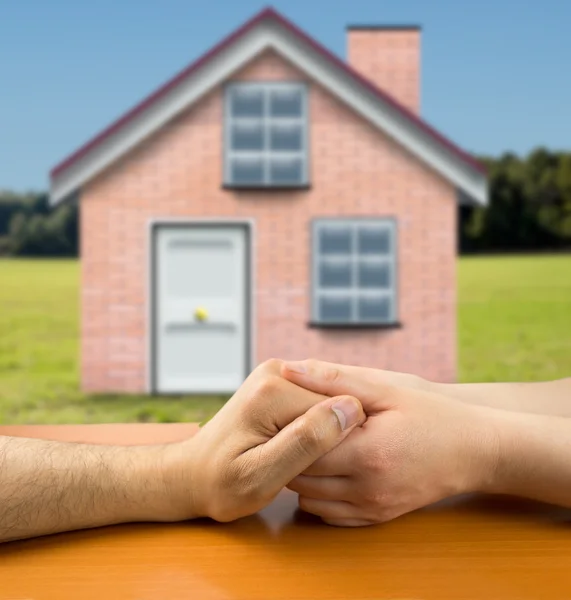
point(563, 181)
point(34, 230)
point(529, 205)
point(529, 209)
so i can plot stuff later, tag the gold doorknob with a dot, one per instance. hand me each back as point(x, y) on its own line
point(201, 314)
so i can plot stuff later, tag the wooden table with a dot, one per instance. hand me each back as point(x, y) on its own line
point(470, 548)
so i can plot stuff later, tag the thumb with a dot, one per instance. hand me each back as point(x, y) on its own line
point(298, 445)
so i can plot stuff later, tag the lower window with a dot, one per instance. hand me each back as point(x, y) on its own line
point(354, 271)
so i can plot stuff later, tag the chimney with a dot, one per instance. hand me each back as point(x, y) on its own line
point(389, 56)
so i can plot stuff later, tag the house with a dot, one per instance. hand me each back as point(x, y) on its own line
point(271, 200)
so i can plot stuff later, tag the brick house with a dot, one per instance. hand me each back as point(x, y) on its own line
point(270, 200)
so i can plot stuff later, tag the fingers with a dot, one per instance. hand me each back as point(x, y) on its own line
point(291, 402)
point(336, 511)
point(339, 462)
point(332, 380)
point(272, 402)
point(308, 438)
point(322, 488)
point(349, 522)
point(342, 460)
point(323, 377)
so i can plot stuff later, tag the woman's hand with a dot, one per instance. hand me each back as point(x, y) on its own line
point(268, 433)
point(415, 448)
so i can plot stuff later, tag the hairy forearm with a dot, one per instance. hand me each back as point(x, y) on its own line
point(534, 457)
point(548, 398)
point(48, 487)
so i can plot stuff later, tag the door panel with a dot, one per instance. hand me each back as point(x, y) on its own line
point(201, 268)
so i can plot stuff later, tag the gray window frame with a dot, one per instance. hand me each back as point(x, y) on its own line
point(266, 155)
point(355, 291)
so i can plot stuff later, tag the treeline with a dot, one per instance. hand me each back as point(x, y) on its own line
point(529, 210)
point(30, 227)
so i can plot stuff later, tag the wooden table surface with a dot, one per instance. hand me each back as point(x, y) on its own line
point(469, 548)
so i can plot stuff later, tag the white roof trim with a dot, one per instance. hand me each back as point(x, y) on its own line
point(271, 35)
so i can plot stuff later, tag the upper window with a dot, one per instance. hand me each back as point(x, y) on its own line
point(354, 271)
point(266, 135)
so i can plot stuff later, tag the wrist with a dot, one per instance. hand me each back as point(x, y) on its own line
point(483, 450)
point(518, 451)
point(156, 484)
point(179, 474)
point(432, 387)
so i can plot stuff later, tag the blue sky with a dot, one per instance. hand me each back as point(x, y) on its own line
point(495, 74)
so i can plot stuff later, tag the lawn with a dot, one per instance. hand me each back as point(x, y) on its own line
point(514, 324)
point(39, 356)
point(514, 318)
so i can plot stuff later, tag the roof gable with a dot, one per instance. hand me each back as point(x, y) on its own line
point(269, 30)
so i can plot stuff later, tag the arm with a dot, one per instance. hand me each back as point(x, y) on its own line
point(265, 435)
point(533, 457)
point(548, 398)
point(48, 487)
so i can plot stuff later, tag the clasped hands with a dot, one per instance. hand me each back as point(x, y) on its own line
point(359, 446)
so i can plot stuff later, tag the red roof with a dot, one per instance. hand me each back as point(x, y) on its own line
point(268, 13)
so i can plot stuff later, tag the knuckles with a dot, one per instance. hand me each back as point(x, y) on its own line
point(263, 397)
point(270, 366)
point(267, 386)
point(262, 393)
point(368, 463)
point(373, 498)
point(267, 381)
point(377, 504)
point(331, 375)
point(309, 436)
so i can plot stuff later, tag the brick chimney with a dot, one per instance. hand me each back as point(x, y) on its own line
point(389, 56)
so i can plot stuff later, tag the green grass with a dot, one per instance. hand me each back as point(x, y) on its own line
point(39, 378)
point(514, 325)
point(515, 318)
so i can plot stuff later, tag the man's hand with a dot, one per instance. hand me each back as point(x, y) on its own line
point(268, 433)
point(415, 448)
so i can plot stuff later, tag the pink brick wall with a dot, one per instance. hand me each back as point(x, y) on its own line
point(355, 170)
point(389, 58)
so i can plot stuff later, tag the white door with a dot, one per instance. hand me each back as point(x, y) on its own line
point(201, 279)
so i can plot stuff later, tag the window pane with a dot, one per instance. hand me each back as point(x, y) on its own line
point(335, 240)
point(374, 275)
point(247, 137)
point(373, 240)
point(247, 171)
point(374, 308)
point(335, 274)
point(286, 103)
point(286, 171)
point(286, 137)
point(247, 101)
point(335, 309)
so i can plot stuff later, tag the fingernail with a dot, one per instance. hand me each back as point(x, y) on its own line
point(295, 367)
point(347, 412)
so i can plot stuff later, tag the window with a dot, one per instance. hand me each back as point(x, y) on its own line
point(354, 272)
point(266, 135)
